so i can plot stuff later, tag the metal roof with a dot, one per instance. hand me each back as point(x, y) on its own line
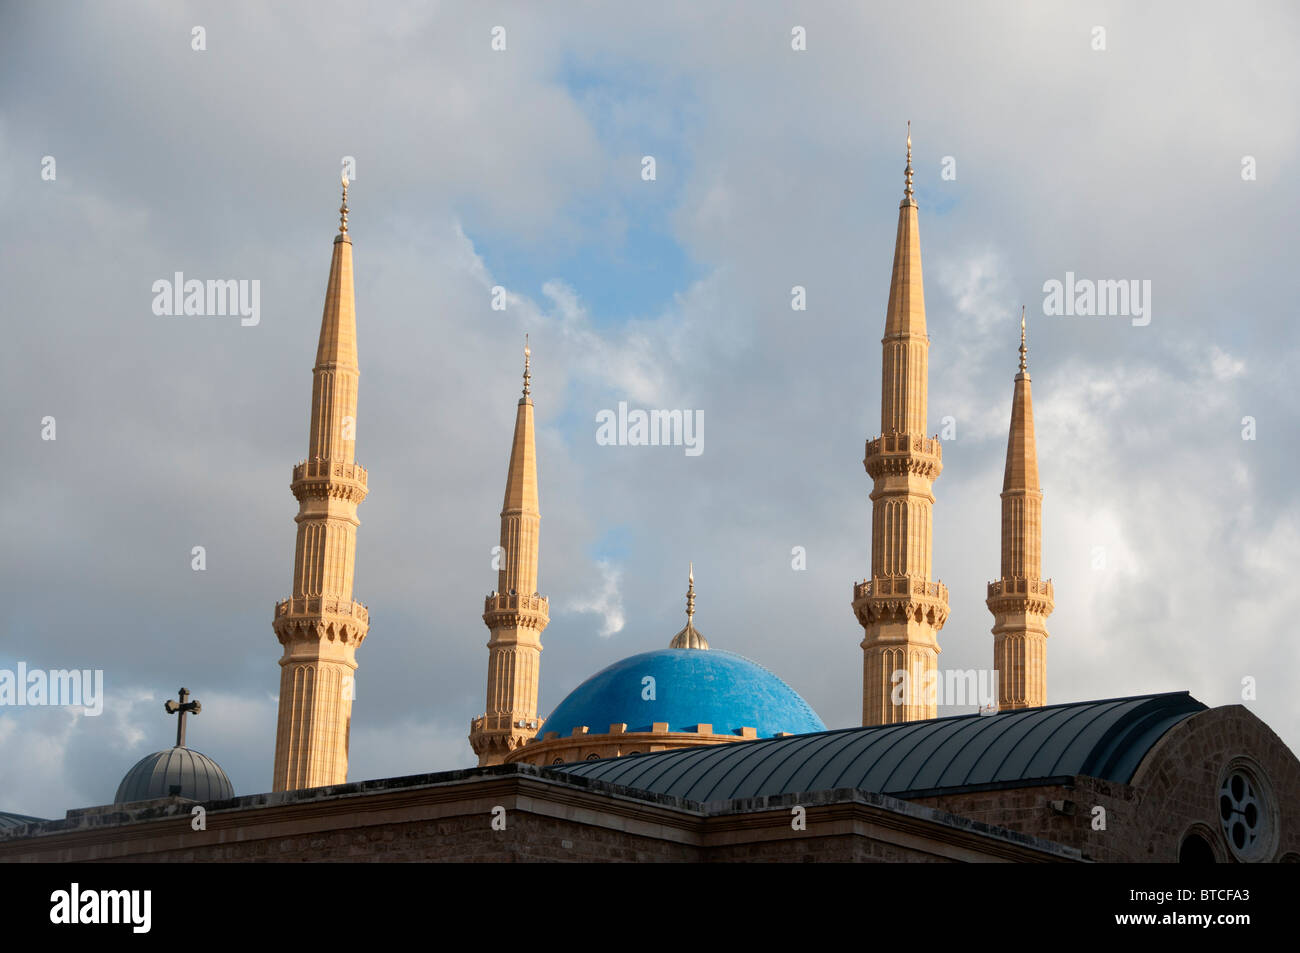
point(9, 820)
point(1101, 739)
point(182, 771)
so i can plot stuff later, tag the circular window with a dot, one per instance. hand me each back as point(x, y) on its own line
point(1244, 812)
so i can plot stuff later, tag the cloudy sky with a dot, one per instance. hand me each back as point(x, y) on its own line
point(1172, 540)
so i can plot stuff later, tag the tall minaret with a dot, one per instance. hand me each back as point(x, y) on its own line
point(515, 614)
point(1021, 600)
point(320, 626)
point(900, 608)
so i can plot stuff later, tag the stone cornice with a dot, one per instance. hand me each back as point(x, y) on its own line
point(315, 619)
point(505, 610)
point(900, 599)
point(157, 827)
point(323, 479)
point(1035, 596)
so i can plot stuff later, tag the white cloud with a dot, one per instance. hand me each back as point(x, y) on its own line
point(786, 169)
point(1224, 366)
point(607, 601)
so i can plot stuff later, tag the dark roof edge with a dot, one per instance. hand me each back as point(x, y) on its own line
point(89, 819)
point(1062, 780)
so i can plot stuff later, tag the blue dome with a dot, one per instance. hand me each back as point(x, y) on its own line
point(692, 687)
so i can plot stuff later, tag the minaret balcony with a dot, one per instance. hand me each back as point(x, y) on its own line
point(1019, 594)
point(318, 606)
point(513, 608)
point(504, 722)
point(324, 469)
point(901, 453)
point(899, 598)
point(328, 478)
point(308, 618)
point(1021, 586)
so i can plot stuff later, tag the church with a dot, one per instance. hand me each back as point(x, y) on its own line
point(689, 750)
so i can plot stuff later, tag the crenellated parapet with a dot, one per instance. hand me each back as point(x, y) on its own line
point(511, 609)
point(1021, 595)
point(900, 454)
point(325, 479)
point(901, 599)
point(307, 619)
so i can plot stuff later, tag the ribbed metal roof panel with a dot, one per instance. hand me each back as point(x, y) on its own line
point(196, 775)
point(1104, 739)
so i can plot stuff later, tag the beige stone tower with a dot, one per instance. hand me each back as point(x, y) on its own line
point(515, 614)
point(900, 608)
point(320, 626)
point(1021, 600)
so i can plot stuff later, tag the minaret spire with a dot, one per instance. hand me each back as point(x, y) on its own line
point(907, 173)
point(1021, 600)
point(1024, 351)
point(320, 626)
point(690, 593)
point(901, 609)
point(528, 353)
point(343, 209)
point(515, 613)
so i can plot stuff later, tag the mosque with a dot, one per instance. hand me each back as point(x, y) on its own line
point(693, 752)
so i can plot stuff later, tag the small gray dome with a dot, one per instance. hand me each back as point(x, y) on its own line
point(194, 775)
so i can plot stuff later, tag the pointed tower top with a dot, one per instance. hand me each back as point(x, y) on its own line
point(689, 637)
point(1024, 351)
point(343, 209)
point(907, 173)
point(528, 353)
point(690, 593)
point(1022, 453)
point(906, 311)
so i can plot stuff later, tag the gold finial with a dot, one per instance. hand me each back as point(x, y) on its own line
point(1023, 350)
point(343, 209)
point(690, 595)
point(907, 189)
point(528, 353)
point(689, 637)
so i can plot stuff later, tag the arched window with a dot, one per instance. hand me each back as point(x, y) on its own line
point(1196, 849)
point(593, 757)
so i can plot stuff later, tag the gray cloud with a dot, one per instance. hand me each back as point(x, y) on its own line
point(787, 169)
